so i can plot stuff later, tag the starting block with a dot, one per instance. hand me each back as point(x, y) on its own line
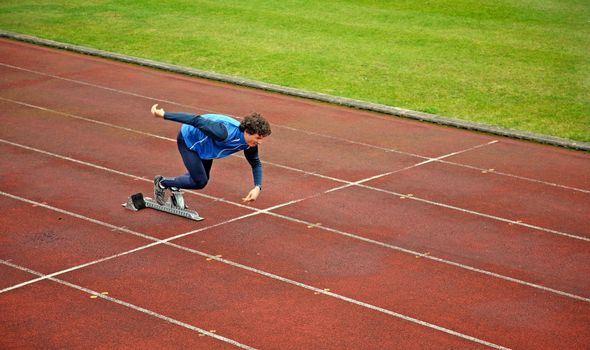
point(175, 205)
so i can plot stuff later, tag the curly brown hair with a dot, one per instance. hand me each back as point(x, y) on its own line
point(255, 123)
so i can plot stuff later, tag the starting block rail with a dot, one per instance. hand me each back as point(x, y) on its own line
point(137, 202)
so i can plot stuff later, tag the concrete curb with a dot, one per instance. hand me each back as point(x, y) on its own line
point(343, 101)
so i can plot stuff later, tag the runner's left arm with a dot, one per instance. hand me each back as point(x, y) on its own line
point(214, 129)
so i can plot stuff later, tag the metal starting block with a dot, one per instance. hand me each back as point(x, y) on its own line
point(175, 205)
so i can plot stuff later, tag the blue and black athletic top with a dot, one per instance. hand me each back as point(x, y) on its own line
point(214, 136)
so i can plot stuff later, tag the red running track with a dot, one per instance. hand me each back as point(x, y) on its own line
point(372, 232)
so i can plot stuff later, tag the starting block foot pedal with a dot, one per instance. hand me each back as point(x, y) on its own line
point(137, 202)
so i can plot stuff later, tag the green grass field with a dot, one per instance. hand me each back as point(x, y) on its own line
point(521, 64)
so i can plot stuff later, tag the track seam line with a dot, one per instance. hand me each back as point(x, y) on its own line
point(167, 242)
point(359, 182)
point(347, 183)
point(130, 306)
point(267, 211)
point(295, 129)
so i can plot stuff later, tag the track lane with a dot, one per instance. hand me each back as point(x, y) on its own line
point(89, 322)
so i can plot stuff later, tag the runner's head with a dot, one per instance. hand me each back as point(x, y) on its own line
point(255, 124)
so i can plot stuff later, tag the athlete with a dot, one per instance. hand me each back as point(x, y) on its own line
point(205, 137)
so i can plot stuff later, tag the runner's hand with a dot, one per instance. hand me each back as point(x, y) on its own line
point(157, 112)
point(251, 197)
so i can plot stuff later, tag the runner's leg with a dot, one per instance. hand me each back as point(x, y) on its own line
point(198, 169)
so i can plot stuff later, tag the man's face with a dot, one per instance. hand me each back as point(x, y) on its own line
point(252, 139)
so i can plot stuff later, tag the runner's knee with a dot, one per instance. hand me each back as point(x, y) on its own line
point(200, 183)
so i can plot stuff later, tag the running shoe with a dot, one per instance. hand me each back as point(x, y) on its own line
point(159, 190)
point(177, 198)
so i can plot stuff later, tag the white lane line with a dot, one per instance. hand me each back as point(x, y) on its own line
point(357, 143)
point(434, 258)
point(167, 241)
point(267, 211)
point(306, 173)
point(156, 241)
point(70, 159)
point(87, 119)
point(467, 211)
point(80, 82)
point(352, 301)
point(357, 183)
point(523, 178)
point(131, 306)
point(285, 127)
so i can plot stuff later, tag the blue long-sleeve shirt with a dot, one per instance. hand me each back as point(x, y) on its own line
point(215, 136)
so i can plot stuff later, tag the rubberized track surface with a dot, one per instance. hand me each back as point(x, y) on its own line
point(371, 232)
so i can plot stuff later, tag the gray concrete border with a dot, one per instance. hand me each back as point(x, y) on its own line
point(343, 101)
